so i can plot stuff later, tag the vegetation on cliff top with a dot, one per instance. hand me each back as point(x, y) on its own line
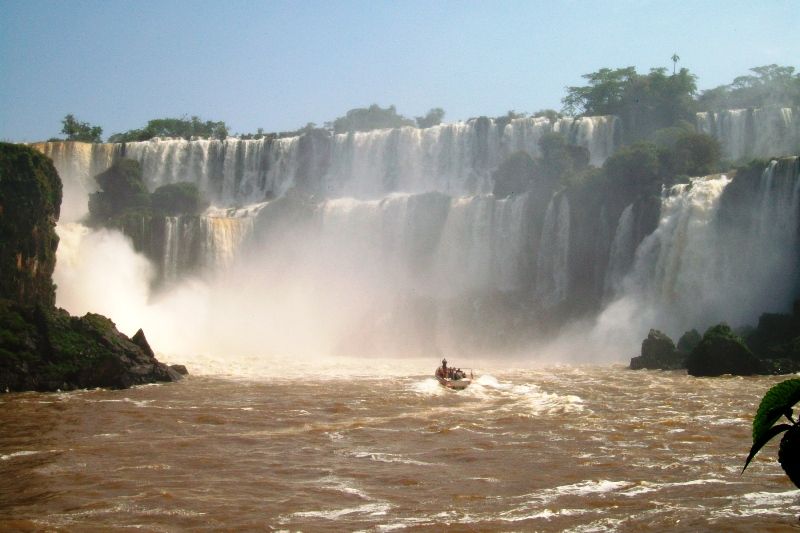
point(645, 104)
point(123, 194)
point(182, 127)
point(76, 130)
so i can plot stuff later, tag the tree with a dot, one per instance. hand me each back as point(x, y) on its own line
point(121, 188)
point(603, 94)
point(182, 198)
point(634, 169)
point(561, 162)
point(696, 154)
point(675, 58)
point(432, 118)
point(182, 127)
point(80, 131)
point(644, 103)
point(768, 85)
point(370, 118)
point(514, 175)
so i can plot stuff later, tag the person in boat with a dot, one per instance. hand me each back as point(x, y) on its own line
point(442, 371)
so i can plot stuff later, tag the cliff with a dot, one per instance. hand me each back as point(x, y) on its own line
point(42, 347)
point(30, 198)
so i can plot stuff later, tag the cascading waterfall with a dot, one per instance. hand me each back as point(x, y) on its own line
point(695, 269)
point(552, 277)
point(621, 254)
point(748, 133)
point(455, 159)
point(398, 227)
point(78, 163)
point(172, 247)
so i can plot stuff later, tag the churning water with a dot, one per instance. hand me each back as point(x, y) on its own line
point(361, 445)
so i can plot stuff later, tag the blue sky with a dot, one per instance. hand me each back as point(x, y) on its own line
point(281, 64)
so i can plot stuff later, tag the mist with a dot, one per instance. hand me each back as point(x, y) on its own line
point(390, 245)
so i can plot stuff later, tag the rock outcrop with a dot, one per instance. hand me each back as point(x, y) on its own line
point(46, 349)
point(30, 199)
point(41, 347)
point(722, 352)
point(658, 353)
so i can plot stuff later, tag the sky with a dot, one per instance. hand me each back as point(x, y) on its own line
point(278, 65)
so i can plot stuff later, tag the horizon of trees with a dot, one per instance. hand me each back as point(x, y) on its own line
point(645, 104)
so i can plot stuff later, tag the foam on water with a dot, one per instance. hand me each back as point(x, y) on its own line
point(369, 509)
point(21, 453)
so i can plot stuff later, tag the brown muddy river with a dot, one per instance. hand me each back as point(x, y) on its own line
point(563, 448)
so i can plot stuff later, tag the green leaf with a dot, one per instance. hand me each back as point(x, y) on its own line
point(777, 401)
point(771, 432)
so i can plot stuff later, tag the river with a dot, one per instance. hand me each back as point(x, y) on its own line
point(348, 447)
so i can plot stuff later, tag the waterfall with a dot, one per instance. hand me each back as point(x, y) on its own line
point(77, 164)
point(428, 243)
point(699, 268)
point(621, 252)
point(358, 233)
point(172, 247)
point(483, 245)
point(552, 276)
point(456, 159)
point(749, 133)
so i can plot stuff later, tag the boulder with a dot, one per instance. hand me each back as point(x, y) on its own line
point(658, 353)
point(47, 349)
point(180, 369)
point(722, 352)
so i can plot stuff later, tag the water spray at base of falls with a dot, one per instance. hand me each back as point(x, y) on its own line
point(404, 254)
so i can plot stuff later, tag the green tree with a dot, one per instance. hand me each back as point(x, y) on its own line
point(696, 154)
point(182, 198)
point(514, 175)
point(432, 118)
point(121, 188)
point(560, 161)
point(182, 127)
point(551, 114)
point(80, 131)
point(370, 118)
point(644, 103)
point(634, 169)
point(768, 85)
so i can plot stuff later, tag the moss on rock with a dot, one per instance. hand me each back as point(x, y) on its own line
point(30, 198)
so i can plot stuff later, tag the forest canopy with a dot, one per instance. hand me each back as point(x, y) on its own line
point(645, 103)
point(183, 127)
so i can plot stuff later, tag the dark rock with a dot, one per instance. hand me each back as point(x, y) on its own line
point(721, 352)
point(180, 369)
point(658, 353)
point(141, 341)
point(30, 200)
point(47, 349)
point(41, 347)
point(689, 342)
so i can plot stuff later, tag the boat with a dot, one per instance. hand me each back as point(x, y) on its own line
point(452, 378)
point(454, 384)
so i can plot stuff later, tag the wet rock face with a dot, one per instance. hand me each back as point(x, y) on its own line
point(658, 353)
point(722, 352)
point(30, 198)
point(41, 347)
point(47, 349)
